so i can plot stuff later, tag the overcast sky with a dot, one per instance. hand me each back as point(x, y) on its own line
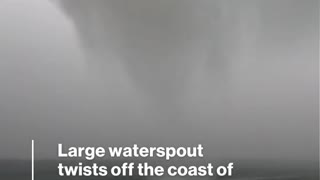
point(241, 78)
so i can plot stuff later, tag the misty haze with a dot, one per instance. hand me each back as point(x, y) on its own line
point(239, 77)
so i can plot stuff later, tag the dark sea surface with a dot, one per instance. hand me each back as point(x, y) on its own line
point(244, 170)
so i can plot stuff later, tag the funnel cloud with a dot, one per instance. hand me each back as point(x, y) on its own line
point(239, 77)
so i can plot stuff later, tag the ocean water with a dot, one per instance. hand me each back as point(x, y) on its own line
point(47, 170)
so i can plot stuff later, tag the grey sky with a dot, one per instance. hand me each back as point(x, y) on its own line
point(241, 78)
